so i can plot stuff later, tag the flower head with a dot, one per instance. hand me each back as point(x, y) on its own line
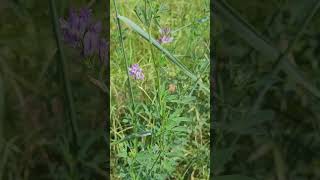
point(165, 36)
point(80, 31)
point(75, 26)
point(136, 72)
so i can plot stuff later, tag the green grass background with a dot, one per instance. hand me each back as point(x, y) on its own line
point(176, 153)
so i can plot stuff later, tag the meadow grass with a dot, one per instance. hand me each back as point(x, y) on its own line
point(160, 125)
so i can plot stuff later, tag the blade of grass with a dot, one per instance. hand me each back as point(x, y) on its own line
point(172, 58)
point(65, 76)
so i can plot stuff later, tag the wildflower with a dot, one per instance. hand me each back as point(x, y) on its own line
point(80, 31)
point(75, 26)
point(136, 72)
point(165, 36)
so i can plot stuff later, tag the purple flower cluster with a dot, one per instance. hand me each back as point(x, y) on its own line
point(165, 36)
point(80, 31)
point(136, 72)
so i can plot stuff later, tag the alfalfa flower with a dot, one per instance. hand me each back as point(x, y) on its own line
point(136, 72)
point(75, 26)
point(165, 36)
point(80, 31)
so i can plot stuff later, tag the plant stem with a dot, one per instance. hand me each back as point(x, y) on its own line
point(124, 55)
point(65, 76)
point(135, 141)
point(155, 65)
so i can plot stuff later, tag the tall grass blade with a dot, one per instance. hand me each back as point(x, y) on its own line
point(172, 58)
point(65, 76)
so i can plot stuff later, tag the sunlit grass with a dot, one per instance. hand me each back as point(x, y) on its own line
point(166, 135)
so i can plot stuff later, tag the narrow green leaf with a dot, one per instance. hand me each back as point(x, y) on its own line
point(133, 136)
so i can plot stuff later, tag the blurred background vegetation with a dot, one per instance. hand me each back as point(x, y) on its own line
point(34, 131)
point(267, 89)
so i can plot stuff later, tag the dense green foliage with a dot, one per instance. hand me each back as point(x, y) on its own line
point(162, 130)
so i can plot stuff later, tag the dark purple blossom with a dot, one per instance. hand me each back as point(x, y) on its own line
point(136, 72)
point(75, 26)
point(80, 31)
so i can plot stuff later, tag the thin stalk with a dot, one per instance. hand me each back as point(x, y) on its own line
point(158, 88)
point(65, 76)
point(135, 141)
point(155, 65)
point(124, 54)
point(202, 20)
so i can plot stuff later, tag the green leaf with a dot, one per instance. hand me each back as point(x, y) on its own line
point(171, 57)
point(185, 100)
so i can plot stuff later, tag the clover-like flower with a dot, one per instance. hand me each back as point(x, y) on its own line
point(165, 36)
point(80, 31)
point(136, 72)
point(75, 26)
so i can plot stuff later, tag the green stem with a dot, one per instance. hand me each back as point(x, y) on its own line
point(65, 76)
point(135, 141)
point(155, 65)
point(124, 54)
